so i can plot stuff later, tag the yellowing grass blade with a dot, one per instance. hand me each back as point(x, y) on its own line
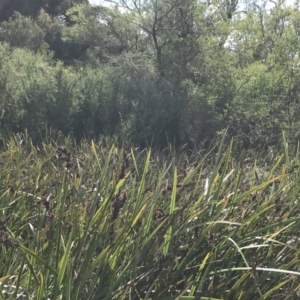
point(134, 161)
point(201, 267)
point(2, 279)
point(138, 215)
point(96, 155)
point(275, 288)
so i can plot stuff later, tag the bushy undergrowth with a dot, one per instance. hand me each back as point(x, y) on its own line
point(96, 221)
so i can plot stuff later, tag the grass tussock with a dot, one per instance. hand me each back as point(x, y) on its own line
point(94, 221)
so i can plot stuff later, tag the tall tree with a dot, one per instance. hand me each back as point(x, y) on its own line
point(32, 7)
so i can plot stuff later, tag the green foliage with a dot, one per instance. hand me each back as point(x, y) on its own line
point(38, 93)
point(89, 220)
point(95, 221)
point(154, 72)
point(22, 31)
point(267, 92)
point(43, 34)
point(99, 102)
point(30, 84)
point(31, 8)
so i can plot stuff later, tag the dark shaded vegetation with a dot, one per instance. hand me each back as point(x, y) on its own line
point(151, 72)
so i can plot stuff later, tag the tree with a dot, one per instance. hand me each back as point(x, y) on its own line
point(22, 31)
point(266, 99)
point(164, 49)
point(43, 33)
point(31, 8)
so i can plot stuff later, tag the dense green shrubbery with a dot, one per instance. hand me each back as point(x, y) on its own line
point(38, 93)
point(183, 77)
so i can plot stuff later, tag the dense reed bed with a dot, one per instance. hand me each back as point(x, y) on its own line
point(96, 221)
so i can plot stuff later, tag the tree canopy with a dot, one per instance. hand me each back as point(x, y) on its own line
point(31, 8)
point(151, 71)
